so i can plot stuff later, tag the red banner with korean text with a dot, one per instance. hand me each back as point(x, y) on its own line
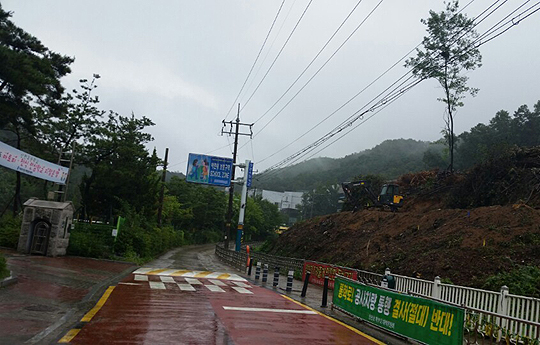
point(319, 270)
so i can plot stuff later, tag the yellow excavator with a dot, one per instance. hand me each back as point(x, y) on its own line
point(388, 197)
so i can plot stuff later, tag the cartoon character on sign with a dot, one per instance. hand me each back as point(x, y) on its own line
point(193, 172)
point(205, 171)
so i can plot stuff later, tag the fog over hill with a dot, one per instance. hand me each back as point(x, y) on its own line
point(389, 159)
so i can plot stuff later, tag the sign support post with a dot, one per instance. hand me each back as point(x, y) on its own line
point(243, 200)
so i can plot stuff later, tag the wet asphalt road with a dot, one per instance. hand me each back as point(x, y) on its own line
point(196, 257)
point(188, 297)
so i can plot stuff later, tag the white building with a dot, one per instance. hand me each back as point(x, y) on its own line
point(283, 200)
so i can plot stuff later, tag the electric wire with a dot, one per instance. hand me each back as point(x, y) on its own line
point(483, 42)
point(393, 94)
point(271, 46)
point(482, 39)
point(401, 92)
point(256, 59)
point(185, 161)
point(320, 68)
point(278, 55)
point(312, 60)
point(380, 76)
point(360, 92)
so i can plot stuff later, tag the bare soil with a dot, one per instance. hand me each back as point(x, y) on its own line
point(428, 237)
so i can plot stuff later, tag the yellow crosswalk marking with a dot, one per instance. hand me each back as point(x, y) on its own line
point(202, 274)
point(156, 271)
point(185, 273)
point(179, 273)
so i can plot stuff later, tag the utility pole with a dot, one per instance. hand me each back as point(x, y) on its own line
point(162, 192)
point(243, 200)
point(237, 132)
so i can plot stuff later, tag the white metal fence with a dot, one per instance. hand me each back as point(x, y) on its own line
point(492, 315)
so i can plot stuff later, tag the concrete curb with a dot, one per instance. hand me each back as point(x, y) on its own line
point(9, 280)
point(108, 282)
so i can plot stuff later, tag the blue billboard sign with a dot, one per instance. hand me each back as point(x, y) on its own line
point(250, 174)
point(210, 170)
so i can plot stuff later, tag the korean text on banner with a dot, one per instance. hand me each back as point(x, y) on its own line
point(23, 162)
point(417, 318)
point(319, 270)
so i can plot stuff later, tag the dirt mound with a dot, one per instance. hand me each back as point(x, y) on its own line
point(461, 227)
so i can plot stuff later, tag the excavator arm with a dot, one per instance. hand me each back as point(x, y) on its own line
point(363, 188)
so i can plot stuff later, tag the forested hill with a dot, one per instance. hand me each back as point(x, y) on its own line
point(389, 159)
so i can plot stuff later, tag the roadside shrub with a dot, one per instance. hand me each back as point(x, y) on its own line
point(91, 240)
point(10, 228)
point(4, 272)
point(134, 243)
point(524, 280)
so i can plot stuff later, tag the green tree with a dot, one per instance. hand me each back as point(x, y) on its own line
point(449, 50)
point(272, 217)
point(76, 122)
point(203, 210)
point(122, 170)
point(504, 131)
point(322, 200)
point(29, 77)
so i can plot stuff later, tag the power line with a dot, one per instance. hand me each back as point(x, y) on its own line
point(313, 60)
point(256, 59)
point(277, 56)
point(271, 46)
point(513, 21)
point(291, 159)
point(207, 153)
point(360, 92)
point(317, 72)
point(396, 92)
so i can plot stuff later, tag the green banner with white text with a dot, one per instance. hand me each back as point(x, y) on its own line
point(417, 318)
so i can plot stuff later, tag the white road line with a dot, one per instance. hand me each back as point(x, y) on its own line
point(144, 270)
point(192, 281)
point(141, 278)
point(167, 279)
point(292, 311)
point(157, 285)
point(186, 287)
point(241, 289)
point(129, 283)
point(244, 285)
point(214, 288)
point(217, 282)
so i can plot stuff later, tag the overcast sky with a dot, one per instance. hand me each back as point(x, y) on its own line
point(182, 64)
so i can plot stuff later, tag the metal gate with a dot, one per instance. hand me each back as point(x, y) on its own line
point(40, 239)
